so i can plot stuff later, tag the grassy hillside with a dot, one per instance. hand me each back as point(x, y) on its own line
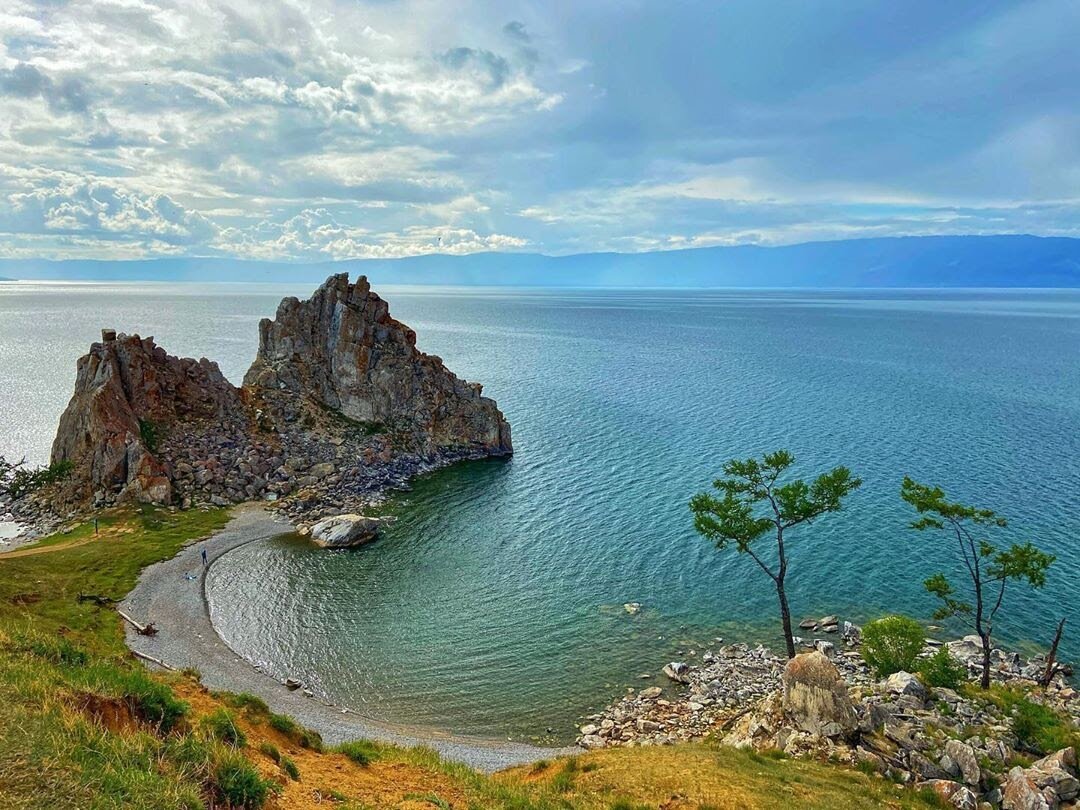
point(83, 724)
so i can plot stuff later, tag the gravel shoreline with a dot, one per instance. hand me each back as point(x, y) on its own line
point(170, 594)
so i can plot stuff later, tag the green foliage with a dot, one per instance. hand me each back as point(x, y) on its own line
point(1039, 729)
point(252, 705)
point(238, 783)
point(148, 432)
point(56, 649)
point(290, 769)
point(988, 567)
point(17, 480)
point(942, 670)
point(891, 644)
point(221, 726)
point(270, 750)
point(732, 519)
point(362, 752)
point(752, 504)
point(152, 700)
point(279, 722)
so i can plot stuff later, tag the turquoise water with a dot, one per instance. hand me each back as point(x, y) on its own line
point(493, 605)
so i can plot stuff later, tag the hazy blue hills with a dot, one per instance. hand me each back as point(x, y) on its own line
point(926, 261)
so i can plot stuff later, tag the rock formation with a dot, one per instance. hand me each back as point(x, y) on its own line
point(338, 405)
point(341, 350)
point(127, 390)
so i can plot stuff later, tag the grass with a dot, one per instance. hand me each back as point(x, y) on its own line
point(82, 724)
point(362, 752)
point(1038, 728)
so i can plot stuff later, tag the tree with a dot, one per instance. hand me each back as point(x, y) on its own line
point(751, 488)
point(988, 567)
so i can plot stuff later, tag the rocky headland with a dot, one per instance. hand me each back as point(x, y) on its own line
point(826, 704)
point(338, 407)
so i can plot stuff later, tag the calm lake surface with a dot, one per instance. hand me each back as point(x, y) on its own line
point(493, 605)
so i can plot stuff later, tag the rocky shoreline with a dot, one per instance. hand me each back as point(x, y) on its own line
point(338, 408)
point(827, 704)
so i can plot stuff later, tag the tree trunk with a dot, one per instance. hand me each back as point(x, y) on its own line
point(984, 680)
point(1051, 659)
point(785, 617)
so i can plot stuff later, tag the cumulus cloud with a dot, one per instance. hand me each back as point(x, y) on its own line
point(333, 129)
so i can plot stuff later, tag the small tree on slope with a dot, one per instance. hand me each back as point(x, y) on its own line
point(751, 487)
point(989, 568)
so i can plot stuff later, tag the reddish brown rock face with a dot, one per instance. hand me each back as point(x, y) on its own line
point(127, 389)
point(338, 356)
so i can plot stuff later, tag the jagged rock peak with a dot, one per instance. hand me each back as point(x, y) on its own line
point(126, 389)
point(342, 350)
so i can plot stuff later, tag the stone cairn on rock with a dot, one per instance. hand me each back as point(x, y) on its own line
point(826, 704)
point(338, 407)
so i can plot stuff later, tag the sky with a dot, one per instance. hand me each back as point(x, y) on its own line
point(265, 129)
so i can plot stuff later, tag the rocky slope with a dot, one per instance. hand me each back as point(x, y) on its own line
point(826, 704)
point(338, 405)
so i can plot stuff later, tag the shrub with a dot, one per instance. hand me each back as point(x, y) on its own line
point(290, 768)
point(149, 435)
point(270, 750)
point(17, 480)
point(221, 726)
point(1038, 728)
point(309, 738)
point(279, 722)
point(152, 701)
point(891, 644)
point(362, 752)
point(942, 670)
point(237, 781)
point(252, 704)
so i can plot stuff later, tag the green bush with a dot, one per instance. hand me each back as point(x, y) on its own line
point(942, 670)
point(891, 644)
point(221, 726)
point(252, 704)
point(270, 750)
point(362, 752)
point(279, 722)
point(1039, 729)
point(152, 701)
point(238, 783)
point(149, 434)
point(290, 768)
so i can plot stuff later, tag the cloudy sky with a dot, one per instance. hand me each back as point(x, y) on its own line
point(320, 129)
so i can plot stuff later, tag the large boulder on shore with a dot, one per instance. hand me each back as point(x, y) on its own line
point(341, 350)
point(345, 531)
point(816, 698)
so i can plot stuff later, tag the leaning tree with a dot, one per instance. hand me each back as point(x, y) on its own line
point(988, 567)
point(752, 504)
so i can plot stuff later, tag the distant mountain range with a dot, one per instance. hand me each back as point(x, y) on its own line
point(923, 261)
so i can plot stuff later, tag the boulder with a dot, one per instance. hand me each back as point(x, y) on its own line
point(344, 531)
point(816, 698)
point(1020, 793)
point(677, 671)
point(904, 683)
point(951, 793)
point(964, 756)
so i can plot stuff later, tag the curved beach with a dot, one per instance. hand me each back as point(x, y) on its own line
point(170, 595)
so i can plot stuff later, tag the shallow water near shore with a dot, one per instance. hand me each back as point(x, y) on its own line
point(493, 605)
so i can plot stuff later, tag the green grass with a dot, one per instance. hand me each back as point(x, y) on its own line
point(1038, 728)
point(362, 752)
point(84, 725)
point(41, 592)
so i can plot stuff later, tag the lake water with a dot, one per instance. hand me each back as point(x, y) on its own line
point(493, 604)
